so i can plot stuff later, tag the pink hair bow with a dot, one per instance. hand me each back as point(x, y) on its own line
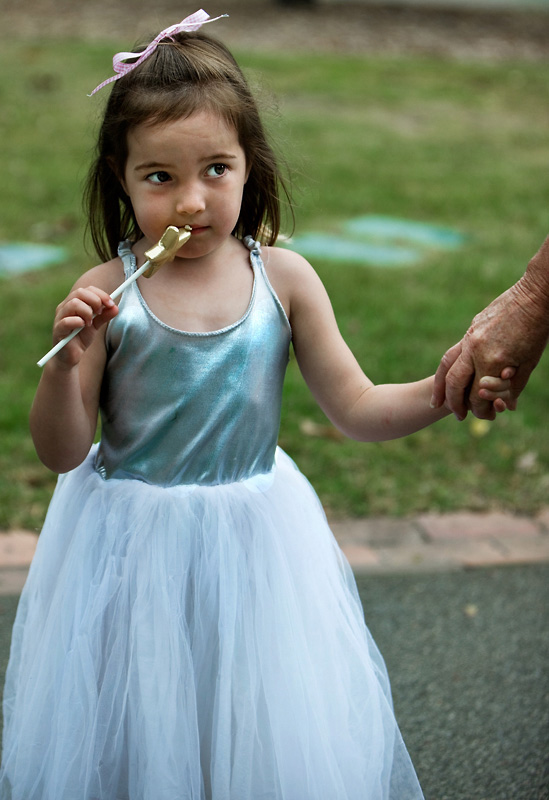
point(189, 24)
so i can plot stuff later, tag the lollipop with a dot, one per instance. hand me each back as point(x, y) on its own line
point(165, 250)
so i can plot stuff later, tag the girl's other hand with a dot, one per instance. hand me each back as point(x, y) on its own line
point(86, 308)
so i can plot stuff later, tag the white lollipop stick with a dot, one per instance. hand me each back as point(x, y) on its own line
point(165, 250)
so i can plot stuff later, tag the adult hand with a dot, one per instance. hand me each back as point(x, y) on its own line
point(507, 339)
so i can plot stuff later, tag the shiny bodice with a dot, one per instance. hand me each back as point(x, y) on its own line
point(192, 408)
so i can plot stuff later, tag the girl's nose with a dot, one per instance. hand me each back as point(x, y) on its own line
point(190, 201)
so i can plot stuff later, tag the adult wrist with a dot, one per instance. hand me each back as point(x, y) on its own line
point(535, 281)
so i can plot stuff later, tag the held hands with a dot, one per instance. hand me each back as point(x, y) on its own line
point(506, 339)
point(86, 309)
point(459, 386)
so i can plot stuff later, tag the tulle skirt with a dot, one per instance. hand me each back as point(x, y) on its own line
point(197, 643)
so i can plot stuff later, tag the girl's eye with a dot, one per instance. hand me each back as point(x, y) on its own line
point(216, 170)
point(158, 177)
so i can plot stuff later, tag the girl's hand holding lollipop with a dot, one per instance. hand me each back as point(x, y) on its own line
point(165, 250)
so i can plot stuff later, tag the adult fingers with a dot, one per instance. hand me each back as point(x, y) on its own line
point(446, 362)
point(458, 382)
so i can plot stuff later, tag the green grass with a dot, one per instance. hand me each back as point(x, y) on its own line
point(454, 144)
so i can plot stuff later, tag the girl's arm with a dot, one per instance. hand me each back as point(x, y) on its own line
point(63, 417)
point(349, 399)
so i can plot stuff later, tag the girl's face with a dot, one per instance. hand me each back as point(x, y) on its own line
point(188, 172)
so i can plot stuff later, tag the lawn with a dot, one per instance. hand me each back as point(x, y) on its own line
point(459, 145)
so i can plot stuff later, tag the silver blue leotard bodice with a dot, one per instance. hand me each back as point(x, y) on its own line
point(192, 408)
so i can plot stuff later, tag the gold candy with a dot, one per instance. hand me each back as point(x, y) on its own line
point(165, 250)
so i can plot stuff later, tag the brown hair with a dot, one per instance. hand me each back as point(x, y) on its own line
point(192, 73)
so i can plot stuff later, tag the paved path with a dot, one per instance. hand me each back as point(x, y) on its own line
point(435, 542)
point(467, 654)
point(420, 544)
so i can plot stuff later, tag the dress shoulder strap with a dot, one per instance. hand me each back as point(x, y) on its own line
point(128, 259)
point(255, 255)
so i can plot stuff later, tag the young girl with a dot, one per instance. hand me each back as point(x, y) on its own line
point(189, 627)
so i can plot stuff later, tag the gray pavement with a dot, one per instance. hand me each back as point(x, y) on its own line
point(468, 654)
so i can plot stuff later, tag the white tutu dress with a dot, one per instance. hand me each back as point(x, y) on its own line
point(189, 629)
